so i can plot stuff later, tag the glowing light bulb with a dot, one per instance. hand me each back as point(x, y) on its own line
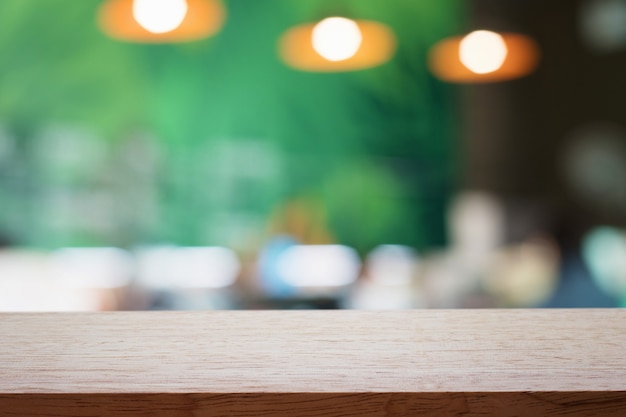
point(160, 16)
point(336, 38)
point(482, 51)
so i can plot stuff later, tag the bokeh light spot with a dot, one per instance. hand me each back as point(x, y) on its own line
point(482, 51)
point(160, 16)
point(337, 38)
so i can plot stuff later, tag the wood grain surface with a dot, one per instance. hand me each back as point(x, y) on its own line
point(314, 363)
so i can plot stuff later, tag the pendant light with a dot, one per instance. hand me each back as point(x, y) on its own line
point(484, 56)
point(337, 44)
point(161, 21)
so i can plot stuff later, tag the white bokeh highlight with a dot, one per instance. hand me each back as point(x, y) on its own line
point(337, 38)
point(160, 16)
point(483, 51)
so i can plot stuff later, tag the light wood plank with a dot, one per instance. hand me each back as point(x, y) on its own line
point(314, 363)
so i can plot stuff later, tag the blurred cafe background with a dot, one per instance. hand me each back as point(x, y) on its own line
point(280, 154)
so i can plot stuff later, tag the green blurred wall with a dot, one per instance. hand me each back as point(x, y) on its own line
point(111, 143)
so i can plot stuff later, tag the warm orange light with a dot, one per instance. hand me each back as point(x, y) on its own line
point(451, 59)
point(360, 44)
point(121, 19)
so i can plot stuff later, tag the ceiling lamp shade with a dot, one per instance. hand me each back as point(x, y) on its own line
point(484, 56)
point(161, 21)
point(337, 44)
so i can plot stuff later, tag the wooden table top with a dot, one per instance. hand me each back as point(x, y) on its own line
point(210, 363)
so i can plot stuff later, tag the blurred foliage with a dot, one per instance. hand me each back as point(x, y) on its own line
point(197, 143)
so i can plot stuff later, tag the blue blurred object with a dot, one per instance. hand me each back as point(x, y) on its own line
point(272, 282)
point(576, 288)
